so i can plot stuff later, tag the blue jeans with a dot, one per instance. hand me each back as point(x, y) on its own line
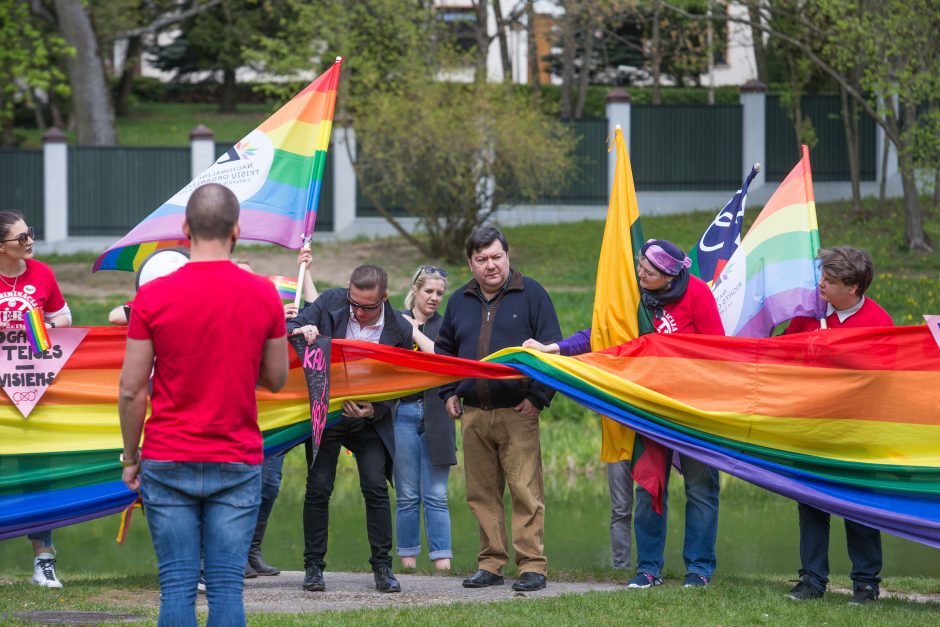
point(419, 481)
point(201, 508)
point(701, 521)
point(271, 471)
point(42, 537)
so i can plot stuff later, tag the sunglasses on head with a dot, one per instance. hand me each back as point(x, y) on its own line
point(23, 238)
point(432, 270)
point(356, 305)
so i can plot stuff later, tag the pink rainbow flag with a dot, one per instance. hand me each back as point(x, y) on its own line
point(35, 327)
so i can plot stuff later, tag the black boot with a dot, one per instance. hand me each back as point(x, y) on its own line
point(255, 558)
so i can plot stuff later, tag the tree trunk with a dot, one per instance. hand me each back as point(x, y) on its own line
point(229, 100)
point(913, 219)
point(850, 124)
point(757, 39)
point(656, 54)
point(126, 83)
point(483, 41)
point(535, 79)
point(584, 78)
point(936, 188)
point(503, 42)
point(567, 64)
point(91, 100)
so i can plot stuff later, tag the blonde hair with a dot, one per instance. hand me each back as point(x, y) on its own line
point(420, 277)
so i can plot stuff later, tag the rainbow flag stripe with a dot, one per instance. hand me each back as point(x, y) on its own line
point(276, 172)
point(35, 327)
point(844, 420)
point(286, 287)
point(773, 275)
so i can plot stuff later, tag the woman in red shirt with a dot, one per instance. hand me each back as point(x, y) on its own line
point(27, 284)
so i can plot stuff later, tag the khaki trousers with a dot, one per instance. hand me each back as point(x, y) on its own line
point(501, 446)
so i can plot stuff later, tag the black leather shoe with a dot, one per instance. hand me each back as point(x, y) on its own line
point(313, 580)
point(530, 582)
point(482, 579)
point(385, 581)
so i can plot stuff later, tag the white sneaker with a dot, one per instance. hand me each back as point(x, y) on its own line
point(44, 571)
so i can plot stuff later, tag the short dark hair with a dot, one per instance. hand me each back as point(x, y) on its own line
point(368, 278)
point(212, 212)
point(8, 219)
point(483, 236)
point(850, 265)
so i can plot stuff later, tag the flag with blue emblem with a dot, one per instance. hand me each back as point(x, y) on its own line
point(722, 236)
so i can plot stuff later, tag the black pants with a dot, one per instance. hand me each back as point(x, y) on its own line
point(363, 440)
point(864, 544)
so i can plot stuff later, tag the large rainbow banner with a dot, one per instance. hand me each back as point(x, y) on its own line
point(276, 172)
point(845, 420)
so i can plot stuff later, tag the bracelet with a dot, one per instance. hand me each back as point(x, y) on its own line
point(129, 462)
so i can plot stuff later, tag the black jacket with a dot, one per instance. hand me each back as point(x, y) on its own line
point(474, 328)
point(330, 314)
point(439, 427)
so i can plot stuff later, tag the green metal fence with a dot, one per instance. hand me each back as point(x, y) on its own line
point(588, 185)
point(21, 182)
point(111, 189)
point(829, 158)
point(686, 147)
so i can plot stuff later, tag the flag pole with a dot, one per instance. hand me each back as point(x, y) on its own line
point(312, 203)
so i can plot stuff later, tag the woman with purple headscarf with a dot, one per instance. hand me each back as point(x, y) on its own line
point(679, 303)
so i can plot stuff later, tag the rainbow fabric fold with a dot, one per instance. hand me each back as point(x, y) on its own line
point(276, 172)
point(35, 327)
point(844, 420)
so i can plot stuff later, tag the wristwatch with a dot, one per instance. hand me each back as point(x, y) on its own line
point(129, 462)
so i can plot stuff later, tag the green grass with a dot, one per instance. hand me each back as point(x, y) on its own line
point(731, 600)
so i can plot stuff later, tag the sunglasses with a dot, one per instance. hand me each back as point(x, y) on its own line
point(356, 305)
point(23, 238)
point(433, 270)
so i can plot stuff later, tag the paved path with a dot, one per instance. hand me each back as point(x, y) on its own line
point(345, 591)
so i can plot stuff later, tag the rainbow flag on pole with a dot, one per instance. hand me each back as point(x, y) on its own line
point(286, 287)
point(36, 334)
point(773, 276)
point(276, 172)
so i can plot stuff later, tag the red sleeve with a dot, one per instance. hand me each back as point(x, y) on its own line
point(138, 327)
point(54, 301)
point(705, 314)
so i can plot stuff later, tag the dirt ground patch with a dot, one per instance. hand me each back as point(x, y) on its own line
point(332, 265)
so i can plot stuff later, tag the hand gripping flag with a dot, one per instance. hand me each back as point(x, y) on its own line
point(722, 236)
point(275, 171)
point(773, 275)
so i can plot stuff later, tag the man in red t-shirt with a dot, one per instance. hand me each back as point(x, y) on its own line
point(846, 274)
point(210, 332)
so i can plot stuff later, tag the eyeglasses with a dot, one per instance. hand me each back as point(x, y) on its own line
point(356, 305)
point(23, 238)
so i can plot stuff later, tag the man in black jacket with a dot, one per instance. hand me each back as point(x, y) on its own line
point(500, 307)
point(361, 312)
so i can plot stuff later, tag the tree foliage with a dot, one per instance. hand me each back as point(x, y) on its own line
point(29, 63)
point(447, 153)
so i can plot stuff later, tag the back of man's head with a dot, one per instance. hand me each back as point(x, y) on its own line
point(367, 278)
point(212, 212)
point(482, 237)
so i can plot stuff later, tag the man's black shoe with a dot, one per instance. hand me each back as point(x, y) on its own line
point(385, 581)
point(313, 580)
point(530, 582)
point(482, 579)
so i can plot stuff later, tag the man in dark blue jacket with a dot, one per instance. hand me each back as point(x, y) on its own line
point(500, 307)
point(363, 313)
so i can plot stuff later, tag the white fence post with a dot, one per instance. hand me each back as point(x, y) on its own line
point(753, 130)
point(201, 149)
point(55, 186)
point(344, 179)
point(618, 112)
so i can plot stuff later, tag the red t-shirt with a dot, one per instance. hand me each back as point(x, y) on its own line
point(695, 312)
point(208, 322)
point(871, 314)
point(34, 288)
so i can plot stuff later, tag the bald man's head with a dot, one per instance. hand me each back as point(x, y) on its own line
point(212, 212)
